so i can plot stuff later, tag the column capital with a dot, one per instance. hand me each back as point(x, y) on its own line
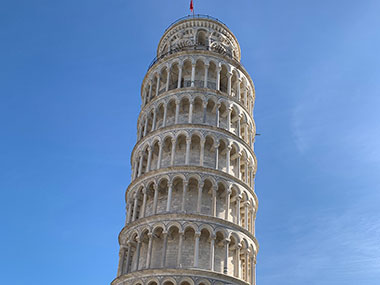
point(197, 234)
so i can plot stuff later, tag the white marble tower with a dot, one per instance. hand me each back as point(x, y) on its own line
point(191, 204)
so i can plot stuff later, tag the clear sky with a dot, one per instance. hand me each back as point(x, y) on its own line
point(70, 78)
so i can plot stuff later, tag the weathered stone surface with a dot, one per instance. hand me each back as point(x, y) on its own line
point(191, 204)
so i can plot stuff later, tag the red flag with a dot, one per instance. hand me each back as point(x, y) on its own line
point(191, 6)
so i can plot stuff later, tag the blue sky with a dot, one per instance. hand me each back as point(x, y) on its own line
point(70, 77)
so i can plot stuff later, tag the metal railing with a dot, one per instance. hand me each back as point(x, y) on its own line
point(196, 16)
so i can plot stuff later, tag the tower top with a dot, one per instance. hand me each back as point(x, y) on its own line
point(199, 32)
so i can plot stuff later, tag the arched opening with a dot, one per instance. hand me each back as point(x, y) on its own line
point(188, 248)
point(197, 111)
point(186, 74)
point(201, 38)
point(149, 201)
point(199, 74)
point(166, 152)
point(157, 246)
point(209, 153)
point(195, 148)
point(184, 105)
point(206, 201)
point(221, 198)
point(219, 252)
point(234, 85)
point(234, 121)
point(223, 116)
point(204, 245)
point(160, 116)
point(234, 161)
point(191, 195)
point(170, 113)
point(163, 80)
point(211, 76)
point(180, 150)
point(223, 79)
point(177, 193)
point(172, 247)
point(211, 113)
point(162, 196)
point(173, 79)
point(144, 249)
point(222, 159)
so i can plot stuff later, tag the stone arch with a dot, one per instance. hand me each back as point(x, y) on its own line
point(153, 281)
point(188, 245)
point(167, 145)
point(212, 74)
point(199, 73)
point(222, 155)
point(201, 38)
point(224, 77)
point(221, 200)
point(180, 148)
point(184, 107)
point(195, 149)
point(203, 282)
point(223, 114)
point(160, 111)
point(210, 114)
point(173, 75)
point(197, 116)
point(209, 151)
point(157, 246)
point(169, 281)
point(170, 111)
point(207, 197)
point(186, 281)
point(186, 73)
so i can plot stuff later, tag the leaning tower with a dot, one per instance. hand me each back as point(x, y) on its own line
point(191, 205)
